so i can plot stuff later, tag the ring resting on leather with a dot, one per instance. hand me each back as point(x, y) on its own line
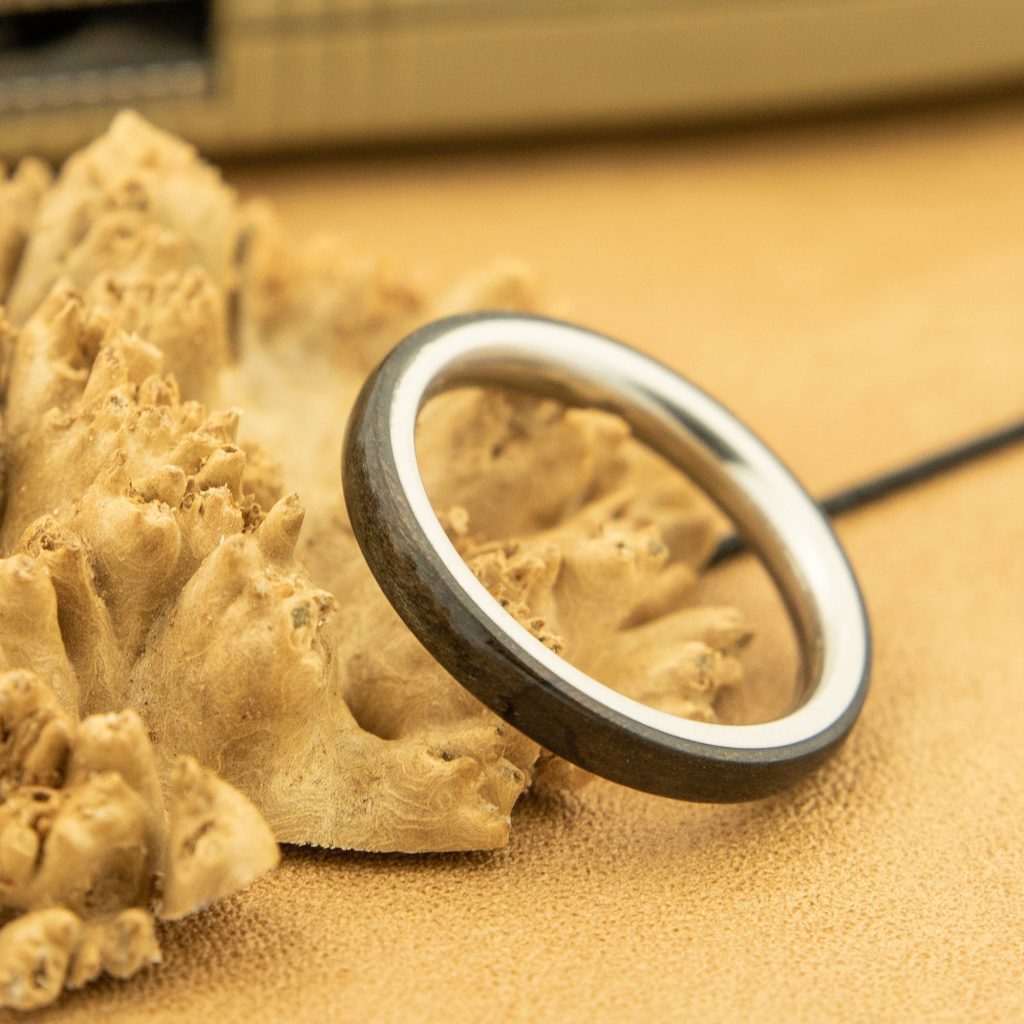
point(501, 662)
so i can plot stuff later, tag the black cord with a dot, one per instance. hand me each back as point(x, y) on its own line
point(896, 480)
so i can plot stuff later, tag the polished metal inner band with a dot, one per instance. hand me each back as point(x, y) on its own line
point(511, 671)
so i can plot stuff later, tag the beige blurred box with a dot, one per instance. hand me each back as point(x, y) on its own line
point(258, 75)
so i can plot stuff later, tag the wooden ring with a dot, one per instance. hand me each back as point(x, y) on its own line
point(501, 662)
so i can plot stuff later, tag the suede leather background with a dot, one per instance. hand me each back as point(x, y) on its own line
point(856, 293)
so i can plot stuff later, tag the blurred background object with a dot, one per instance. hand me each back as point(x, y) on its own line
point(256, 75)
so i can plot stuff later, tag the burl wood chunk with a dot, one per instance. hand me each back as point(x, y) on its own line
point(169, 607)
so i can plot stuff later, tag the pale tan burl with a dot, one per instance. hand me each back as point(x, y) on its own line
point(87, 846)
point(19, 196)
point(155, 564)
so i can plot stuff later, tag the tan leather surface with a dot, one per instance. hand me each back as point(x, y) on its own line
point(857, 294)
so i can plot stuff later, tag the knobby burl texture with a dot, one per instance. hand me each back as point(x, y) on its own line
point(155, 562)
point(19, 196)
point(87, 845)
